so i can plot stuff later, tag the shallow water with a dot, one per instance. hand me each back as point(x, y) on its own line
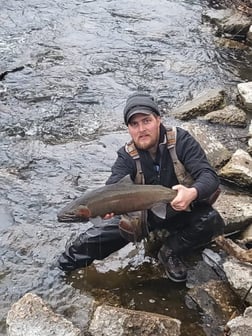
point(66, 69)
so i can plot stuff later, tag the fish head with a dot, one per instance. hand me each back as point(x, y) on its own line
point(79, 213)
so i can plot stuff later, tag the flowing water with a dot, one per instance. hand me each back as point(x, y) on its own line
point(66, 68)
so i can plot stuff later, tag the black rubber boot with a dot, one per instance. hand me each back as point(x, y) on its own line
point(173, 265)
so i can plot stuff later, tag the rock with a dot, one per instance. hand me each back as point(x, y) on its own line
point(231, 44)
point(216, 152)
point(114, 321)
point(245, 92)
point(247, 233)
point(230, 115)
point(206, 102)
point(31, 317)
point(241, 325)
point(239, 276)
point(239, 169)
point(235, 24)
point(228, 22)
point(250, 139)
point(249, 35)
point(217, 301)
point(235, 209)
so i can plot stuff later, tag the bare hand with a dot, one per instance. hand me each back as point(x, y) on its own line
point(184, 197)
point(109, 215)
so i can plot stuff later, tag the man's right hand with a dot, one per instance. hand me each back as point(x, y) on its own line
point(109, 215)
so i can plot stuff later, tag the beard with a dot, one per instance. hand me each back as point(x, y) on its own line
point(146, 143)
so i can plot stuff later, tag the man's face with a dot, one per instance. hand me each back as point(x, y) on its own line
point(144, 130)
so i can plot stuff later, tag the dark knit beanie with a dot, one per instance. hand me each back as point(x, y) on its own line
point(139, 102)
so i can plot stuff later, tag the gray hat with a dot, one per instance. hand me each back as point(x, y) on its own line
point(139, 102)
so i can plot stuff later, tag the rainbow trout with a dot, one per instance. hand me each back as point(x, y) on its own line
point(118, 198)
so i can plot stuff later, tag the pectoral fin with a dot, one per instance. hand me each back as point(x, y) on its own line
point(159, 210)
point(97, 221)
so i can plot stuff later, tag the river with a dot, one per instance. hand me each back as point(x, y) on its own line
point(66, 69)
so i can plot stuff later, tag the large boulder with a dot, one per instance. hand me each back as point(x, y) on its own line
point(239, 169)
point(30, 316)
point(206, 102)
point(235, 209)
point(217, 301)
point(239, 276)
point(245, 94)
point(114, 321)
point(230, 115)
point(216, 152)
point(241, 325)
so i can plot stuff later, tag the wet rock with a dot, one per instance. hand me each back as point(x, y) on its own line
point(207, 101)
point(231, 44)
point(230, 115)
point(201, 273)
point(241, 325)
point(228, 22)
point(30, 316)
point(235, 24)
point(239, 276)
point(113, 321)
point(239, 169)
point(216, 152)
point(245, 94)
point(217, 301)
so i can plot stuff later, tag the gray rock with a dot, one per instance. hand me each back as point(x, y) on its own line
point(245, 92)
point(235, 209)
point(239, 276)
point(230, 115)
point(31, 317)
point(114, 321)
point(216, 152)
point(206, 102)
point(239, 169)
point(249, 35)
point(241, 325)
point(217, 301)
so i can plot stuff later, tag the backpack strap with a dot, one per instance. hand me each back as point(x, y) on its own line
point(132, 151)
point(183, 176)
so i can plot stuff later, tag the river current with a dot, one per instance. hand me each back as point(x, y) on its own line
point(66, 68)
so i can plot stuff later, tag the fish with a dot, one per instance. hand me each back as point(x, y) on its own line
point(118, 198)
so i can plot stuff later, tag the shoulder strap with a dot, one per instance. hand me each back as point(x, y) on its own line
point(182, 175)
point(171, 134)
point(132, 151)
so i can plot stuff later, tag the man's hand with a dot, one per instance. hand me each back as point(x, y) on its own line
point(109, 215)
point(184, 197)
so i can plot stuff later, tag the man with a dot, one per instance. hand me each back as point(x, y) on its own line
point(190, 218)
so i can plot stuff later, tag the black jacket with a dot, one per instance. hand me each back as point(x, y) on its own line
point(161, 170)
